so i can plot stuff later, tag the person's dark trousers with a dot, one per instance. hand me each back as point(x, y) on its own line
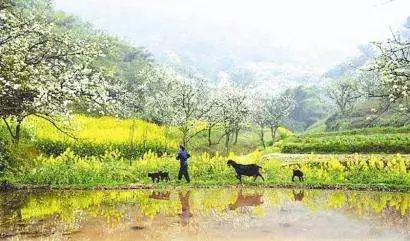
point(183, 171)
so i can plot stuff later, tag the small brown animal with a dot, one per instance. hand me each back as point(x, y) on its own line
point(297, 173)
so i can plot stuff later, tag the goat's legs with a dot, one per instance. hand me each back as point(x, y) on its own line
point(239, 178)
point(258, 175)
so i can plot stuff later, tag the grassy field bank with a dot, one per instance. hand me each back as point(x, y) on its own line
point(371, 140)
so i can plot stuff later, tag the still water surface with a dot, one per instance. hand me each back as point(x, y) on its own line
point(205, 214)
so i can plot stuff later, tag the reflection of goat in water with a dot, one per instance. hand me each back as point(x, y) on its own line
point(299, 195)
point(160, 195)
point(246, 200)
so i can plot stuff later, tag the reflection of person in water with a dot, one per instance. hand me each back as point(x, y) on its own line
point(185, 208)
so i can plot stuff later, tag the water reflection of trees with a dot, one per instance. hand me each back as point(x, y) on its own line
point(23, 210)
point(12, 221)
point(10, 212)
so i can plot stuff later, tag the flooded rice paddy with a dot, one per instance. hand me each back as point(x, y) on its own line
point(205, 214)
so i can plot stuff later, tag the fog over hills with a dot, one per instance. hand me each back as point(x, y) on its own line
point(278, 43)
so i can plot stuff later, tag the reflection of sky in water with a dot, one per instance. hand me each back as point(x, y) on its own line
point(207, 214)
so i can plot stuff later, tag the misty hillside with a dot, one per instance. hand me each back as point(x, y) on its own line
point(206, 40)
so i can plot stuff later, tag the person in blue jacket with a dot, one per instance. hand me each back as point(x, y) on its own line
point(183, 156)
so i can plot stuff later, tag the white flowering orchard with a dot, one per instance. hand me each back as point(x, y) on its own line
point(44, 68)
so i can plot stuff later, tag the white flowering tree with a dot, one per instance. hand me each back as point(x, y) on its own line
point(277, 110)
point(232, 109)
point(44, 68)
point(259, 114)
point(392, 64)
point(156, 106)
point(182, 100)
point(344, 93)
point(137, 77)
point(212, 117)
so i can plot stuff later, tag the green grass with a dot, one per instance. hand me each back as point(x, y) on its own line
point(365, 131)
point(370, 140)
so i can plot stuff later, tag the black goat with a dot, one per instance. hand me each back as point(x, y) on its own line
point(250, 170)
point(159, 176)
point(297, 173)
point(165, 176)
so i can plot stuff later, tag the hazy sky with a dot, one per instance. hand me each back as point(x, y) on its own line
point(315, 34)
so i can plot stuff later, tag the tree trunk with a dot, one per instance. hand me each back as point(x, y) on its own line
point(273, 130)
point(18, 132)
point(184, 136)
point(262, 134)
point(209, 135)
point(9, 129)
point(227, 139)
point(236, 136)
point(16, 136)
point(272, 134)
point(184, 140)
